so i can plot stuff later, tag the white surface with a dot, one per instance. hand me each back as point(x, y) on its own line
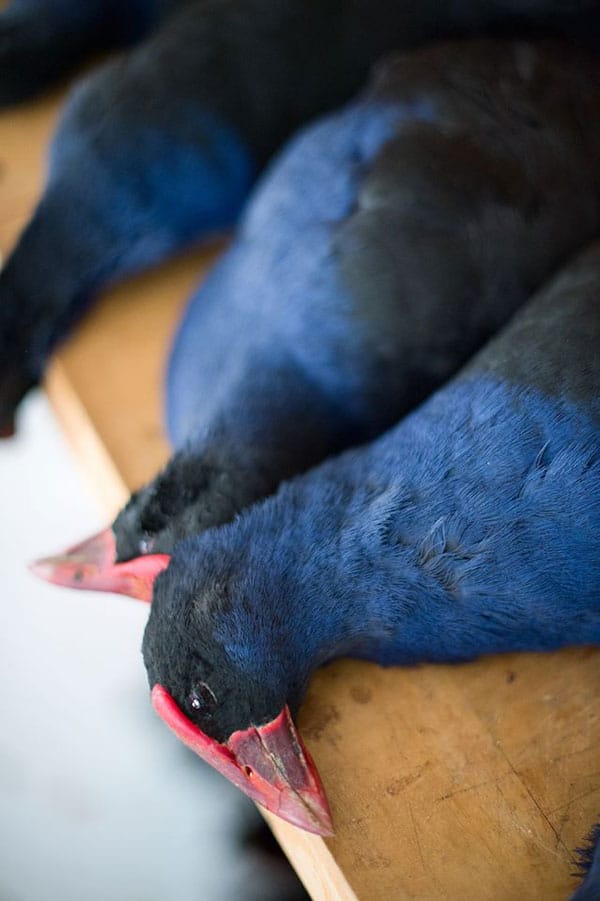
point(98, 801)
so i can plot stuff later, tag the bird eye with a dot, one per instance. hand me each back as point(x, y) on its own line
point(201, 699)
point(146, 545)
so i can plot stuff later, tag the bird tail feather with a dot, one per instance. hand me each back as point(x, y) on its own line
point(588, 862)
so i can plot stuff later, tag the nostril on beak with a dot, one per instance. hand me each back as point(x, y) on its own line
point(248, 772)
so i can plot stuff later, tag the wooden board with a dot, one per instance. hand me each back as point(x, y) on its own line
point(446, 783)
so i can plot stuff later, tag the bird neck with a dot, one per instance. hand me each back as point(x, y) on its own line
point(264, 423)
point(435, 543)
point(276, 423)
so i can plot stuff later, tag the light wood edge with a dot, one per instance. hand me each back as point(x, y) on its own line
point(312, 861)
point(104, 478)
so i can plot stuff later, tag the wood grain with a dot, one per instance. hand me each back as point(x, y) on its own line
point(446, 783)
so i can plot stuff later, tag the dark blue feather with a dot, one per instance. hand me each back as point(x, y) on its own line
point(589, 866)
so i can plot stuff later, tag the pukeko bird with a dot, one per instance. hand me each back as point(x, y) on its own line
point(160, 146)
point(470, 528)
point(384, 246)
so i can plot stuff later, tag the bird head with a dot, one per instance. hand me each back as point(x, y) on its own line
point(225, 669)
point(207, 622)
point(237, 718)
point(187, 497)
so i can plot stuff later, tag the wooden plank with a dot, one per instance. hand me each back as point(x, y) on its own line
point(446, 783)
point(24, 135)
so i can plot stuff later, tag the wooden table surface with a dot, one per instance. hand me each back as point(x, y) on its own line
point(472, 782)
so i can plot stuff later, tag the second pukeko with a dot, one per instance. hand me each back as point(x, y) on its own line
point(386, 243)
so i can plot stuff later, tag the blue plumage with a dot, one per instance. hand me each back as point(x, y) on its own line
point(193, 180)
point(280, 284)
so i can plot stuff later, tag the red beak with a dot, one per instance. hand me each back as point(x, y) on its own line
point(91, 566)
point(268, 763)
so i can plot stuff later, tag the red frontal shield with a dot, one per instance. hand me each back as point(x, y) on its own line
point(91, 566)
point(268, 763)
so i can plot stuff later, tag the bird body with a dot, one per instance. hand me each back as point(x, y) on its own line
point(469, 528)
